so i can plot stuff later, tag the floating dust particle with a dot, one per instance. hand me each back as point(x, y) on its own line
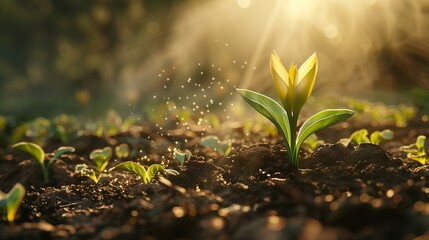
point(333, 206)
point(364, 198)
point(214, 207)
point(376, 203)
point(329, 198)
point(215, 223)
point(419, 206)
point(390, 193)
point(275, 223)
point(178, 212)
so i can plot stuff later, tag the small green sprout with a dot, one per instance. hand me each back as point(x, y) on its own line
point(145, 174)
point(9, 203)
point(37, 152)
point(181, 157)
point(361, 136)
point(214, 142)
point(293, 88)
point(101, 158)
point(417, 150)
point(312, 142)
point(122, 150)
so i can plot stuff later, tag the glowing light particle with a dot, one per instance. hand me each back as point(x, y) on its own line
point(331, 31)
point(244, 3)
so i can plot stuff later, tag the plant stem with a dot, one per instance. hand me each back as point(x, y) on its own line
point(45, 171)
point(293, 119)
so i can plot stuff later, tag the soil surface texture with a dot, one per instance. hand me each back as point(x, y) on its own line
point(361, 191)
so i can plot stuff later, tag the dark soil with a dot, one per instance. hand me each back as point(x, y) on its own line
point(354, 192)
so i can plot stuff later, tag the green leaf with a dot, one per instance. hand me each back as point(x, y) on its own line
point(322, 120)
point(420, 143)
point(122, 150)
point(87, 171)
point(271, 110)
point(377, 136)
point(360, 136)
point(10, 202)
point(61, 150)
point(214, 142)
point(181, 157)
point(101, 157)
point(133, 167)
point(153, 170)
point(33, 149)
point(419, 157)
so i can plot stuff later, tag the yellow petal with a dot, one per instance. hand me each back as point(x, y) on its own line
point(306, 79)
point(293, 71)
point(280, 76)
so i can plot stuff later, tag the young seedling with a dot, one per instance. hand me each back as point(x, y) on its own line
point(145, 174)
point(181, 157)
point(122, 150)
point(293, 88)
point(37, 152)
point(101, 158)
point(214, 142)
point(9, 203)
point(417, 150)
point(361, 136)
point(312, 142)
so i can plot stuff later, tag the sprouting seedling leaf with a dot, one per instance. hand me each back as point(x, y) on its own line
point(214, 143)
point(60, 151)
point(181, 157)
point(133, 167)
point(122, 150)
point(417, 150)
point(321, 120)
point(360, 136)
point(152, 170)
point(420, 143)
point(378, 136)
point(293, 88)
point(145, 175)
point(87, 171)
point(101, 157)
point(312, 142)
point(37, 152)
point(33, 149)
point(11, 201)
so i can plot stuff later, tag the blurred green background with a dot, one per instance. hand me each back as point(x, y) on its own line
point(66, 56)
point(85, 57)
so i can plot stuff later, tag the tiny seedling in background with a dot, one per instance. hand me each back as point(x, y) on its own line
point(312, 142)
point(37, 152)
point(293, 88)
point(181, 157)
point(9, 203)
point(145, 174)
point(361, 136)
point(122, 150)
point(417, 150)
point(214, 143)
point(101, 158)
